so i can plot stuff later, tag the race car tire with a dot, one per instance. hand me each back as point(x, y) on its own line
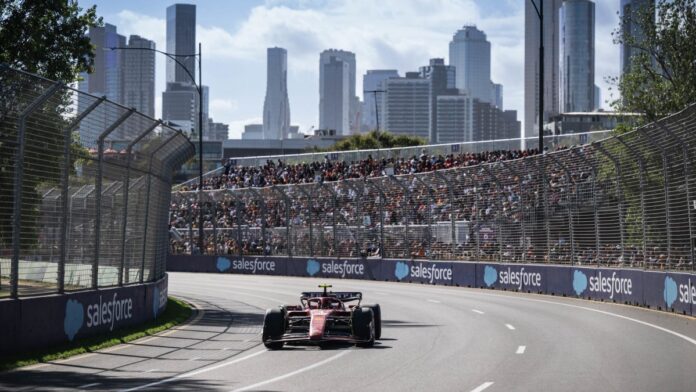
point(377, 313)
point(362, 321)
point(273, 328)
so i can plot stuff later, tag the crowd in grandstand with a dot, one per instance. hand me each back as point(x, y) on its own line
point(359, 209)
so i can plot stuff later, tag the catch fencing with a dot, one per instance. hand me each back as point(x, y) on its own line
point(625, 201)
point(85, 186)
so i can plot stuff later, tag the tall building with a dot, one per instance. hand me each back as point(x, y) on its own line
point(491, 123)
point(497, 95)
point(470, 54)
point(334, 92)
point(139, 75)
point(454, 119)
point(276, 106)
point(253, 132)
point(576, 64)
point(351, 100)
point(181, 40)
point(180, 99)
point(217, 131)
point(407, 105)
point(531, 64)
point(105, 80)
point(442, 80)
point(628, 11)
point(371, 82)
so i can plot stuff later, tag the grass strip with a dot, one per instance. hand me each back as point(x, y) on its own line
point(176, 312)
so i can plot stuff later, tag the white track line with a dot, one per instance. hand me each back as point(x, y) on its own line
point(195, 372)
point(94, 384)
point(296, 372)
point(434, 301)
point(510, 327)
point(520, 349)
point(483, 386)
point(477, 311)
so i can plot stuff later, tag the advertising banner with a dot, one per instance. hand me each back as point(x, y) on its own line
point(670, 291)
point(464, 274)
point(516, 277)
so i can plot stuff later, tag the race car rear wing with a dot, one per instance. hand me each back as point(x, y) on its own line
point(344, 296)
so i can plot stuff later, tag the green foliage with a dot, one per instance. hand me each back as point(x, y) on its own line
point(47, 37)
point(375, 140)
point(662, 79)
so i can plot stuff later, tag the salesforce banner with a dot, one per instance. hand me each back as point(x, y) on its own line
point(43, 321)
point(661, 290)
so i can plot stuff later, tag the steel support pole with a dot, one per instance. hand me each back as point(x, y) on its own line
point(522, 224)
point(147, 204)
point(333, 218)
point(286, 200)
point(641, 172)
point(407, 197)
point(310, 211)
point(619, 196)
point(429, 191)
point(126, 188)
point(98, 193)
point(358, 194)
point(382, 200)
point(450, 196)
point(238, 217)
point(498, 212)
point(264, 217)
point(19, 182)
point(65, 184)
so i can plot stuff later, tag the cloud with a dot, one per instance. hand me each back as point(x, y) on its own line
point(237, 126)
point(223, 105)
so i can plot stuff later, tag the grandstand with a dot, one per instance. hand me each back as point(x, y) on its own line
point(621, 201)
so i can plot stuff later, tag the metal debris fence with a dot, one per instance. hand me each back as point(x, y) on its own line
point(85, 185)
point(626, 200)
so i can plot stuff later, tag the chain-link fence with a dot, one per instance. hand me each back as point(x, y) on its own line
point(623, 201)
point(85, 186)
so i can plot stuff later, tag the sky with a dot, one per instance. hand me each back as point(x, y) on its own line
point(384, 34)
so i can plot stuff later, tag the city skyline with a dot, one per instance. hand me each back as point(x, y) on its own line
point(239, 39)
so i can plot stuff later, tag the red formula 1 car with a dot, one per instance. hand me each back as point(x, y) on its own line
point(323, 317)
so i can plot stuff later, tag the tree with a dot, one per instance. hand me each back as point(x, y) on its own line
point(375, 140)
point(662, 77)
point(47, 37)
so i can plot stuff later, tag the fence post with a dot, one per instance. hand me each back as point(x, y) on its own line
point(429, 191)
point(238, 216)
point(407, 199)
point(641, 172)
point(619, 195)
point(286, 199)
point(19, 182)
point(382, 199)
point(147, 204)
point(594, 200)
point(450, 196)
point(571, 228)
point(310, 210)
point(665, 168)
point(358, 195)
point(264, 216)
point(126, 186)
point(98, 195)
point(333, 218)
point(522, 224)
point(498, 212)
point(65, 184)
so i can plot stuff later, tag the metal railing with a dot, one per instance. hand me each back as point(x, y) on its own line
point(627, 200)
point(551, 141)
point(85, 186)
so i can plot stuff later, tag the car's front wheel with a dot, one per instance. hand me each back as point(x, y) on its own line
point(363, 326)
point(273, 328)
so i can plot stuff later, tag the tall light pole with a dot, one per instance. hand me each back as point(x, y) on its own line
point(199, 89)
point(540, 13)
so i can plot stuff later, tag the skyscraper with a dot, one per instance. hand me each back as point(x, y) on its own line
point(180, 100)
point(470, 54)
point(371, 82)
point(139, 75)
point(497, 95)
point(351, 101)
point(334, 91)
point(181, 40)
point(407, 105)
point(454, 119)
point(442, 80)
point(276, 106)
point(629, 10)
point(576, 64)
point(531, 64)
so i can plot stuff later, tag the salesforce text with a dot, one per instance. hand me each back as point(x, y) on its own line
point(611, 285)
point(107, 313)
point(520, 278)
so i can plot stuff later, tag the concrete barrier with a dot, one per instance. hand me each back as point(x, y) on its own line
point(669, 291)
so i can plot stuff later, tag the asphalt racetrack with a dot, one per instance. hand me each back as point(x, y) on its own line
point(434, 339)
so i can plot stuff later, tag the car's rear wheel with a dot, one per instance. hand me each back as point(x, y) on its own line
point(273, 328)
point(363, 326)
point(377, 313)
